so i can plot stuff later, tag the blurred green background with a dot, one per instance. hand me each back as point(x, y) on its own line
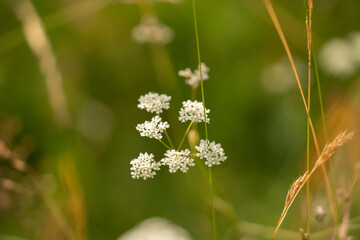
point(256, 112)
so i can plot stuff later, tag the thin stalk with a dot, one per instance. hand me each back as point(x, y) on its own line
point(205, 120)
point(308, 182)
point(185, 134)
point(308, 30)
point(353, 184)
point(212, 204)
point(322, 113)
point(164, 144)
point(320, 96)
point(199, 60)
point(276, 23)
point(169, 139)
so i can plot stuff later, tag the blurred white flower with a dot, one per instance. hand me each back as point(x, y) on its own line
point(154, 102)
point(144, 166)
point(193, 79)
point(212, 152)
point(156, 228)
point(193, 111)
point(336, 58)
point(152, 129)
point(150, 30)
point(178, 160)
point(278, 78)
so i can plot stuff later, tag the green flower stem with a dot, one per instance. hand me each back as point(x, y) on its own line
point(212, 204)
point(169, 139)
point(165, 144)
point(205, 122)
point(186, 132)
point(199, 59)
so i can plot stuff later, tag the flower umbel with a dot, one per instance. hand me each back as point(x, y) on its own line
point(150, 30)
point(193, 78)
point(193, 111)
point(178, 160)
point(154, 102)
point(212, 152)
point(144, 166)
point(152, 129)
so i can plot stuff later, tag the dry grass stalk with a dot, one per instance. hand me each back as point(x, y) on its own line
point(331, 148)
point(308, 30)
point(295, 188)
point(39, 43)
point(276, 23)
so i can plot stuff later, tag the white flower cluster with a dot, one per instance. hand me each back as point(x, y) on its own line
point(193, 78)
point(152, 129)
point(193, 111)
point(212, 152)
point(144, 166)
point(150, 30)
point(154, 102)
point(178, 160)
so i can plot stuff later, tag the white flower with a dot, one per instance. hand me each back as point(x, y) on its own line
point(193, 79)
point(144, 166)
point(152, 129)
point(150, 30)
point(154, 102)
point(336, 58)
point(193, 111)
point(178, 160)
point(156, 228)
point(212, 152)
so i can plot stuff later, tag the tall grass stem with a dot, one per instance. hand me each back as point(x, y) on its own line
point(205, 120)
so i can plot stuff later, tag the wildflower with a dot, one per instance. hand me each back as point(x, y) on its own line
point(154, 102)
point(150, 30)
point(152, 129)
point(178, 160)
point(193, 78)
point(212, 152)
point(193, 111)
point(156, 228)
point(144, 166)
